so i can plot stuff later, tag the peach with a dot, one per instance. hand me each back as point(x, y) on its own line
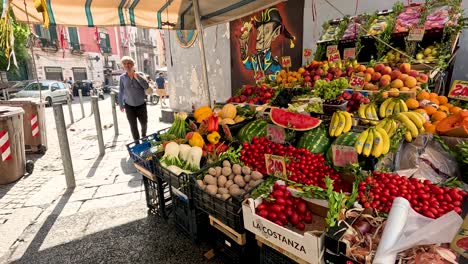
point(384, 82)
point(361, 68)
point(367, 77)
point(410, 82)
point(405, 67)
point(376, 76)
point(395, 74)
point(423, 78)
point(370, 71)
point(397, 84)
point(387, 70)
point(370, 87)
point(403, 77)
point(379, 67)
point(385, 94)
point(386, 77)
point(393, 92)
point(404, 89)
point(413, 73)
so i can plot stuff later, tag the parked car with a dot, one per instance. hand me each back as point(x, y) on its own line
point(11, 88)
point(85, 86)
point(51, 91)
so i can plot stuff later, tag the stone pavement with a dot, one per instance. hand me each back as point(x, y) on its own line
point(36, 211)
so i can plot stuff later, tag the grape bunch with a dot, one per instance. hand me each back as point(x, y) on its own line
point(330, 89)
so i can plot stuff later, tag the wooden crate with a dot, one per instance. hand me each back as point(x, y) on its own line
point(228, 231)
point(261, 241)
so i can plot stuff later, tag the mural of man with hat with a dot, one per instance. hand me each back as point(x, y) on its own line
point(268, 28)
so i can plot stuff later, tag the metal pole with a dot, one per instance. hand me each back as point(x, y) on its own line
point(70, 111)
point(64, 146)
point(80, 93)
point(4, 94)
point(114, 114)
point(97, 119)
point(31, 48)
point(201, 43)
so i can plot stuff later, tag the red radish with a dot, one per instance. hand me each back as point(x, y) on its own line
point(263, 213)
point(300, 226)
point(294, 219)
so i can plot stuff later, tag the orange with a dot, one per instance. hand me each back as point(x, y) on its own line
point(279, 79)
point(442, 99)
point(301, 70)
point(422, 111)
point(430, 110)
point(455, 110)
point(433, 95)
point(444, 108)
point(430, 128)
point(434, 100)
point(412, 103)
point(448, 105)
point(423, 95)
point(439, 115)
point(464, 113)
point(435, 123)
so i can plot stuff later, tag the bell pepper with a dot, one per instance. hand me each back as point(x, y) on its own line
point(212, 123)
point(214, 137)
point(196, 140)
point(221, 147)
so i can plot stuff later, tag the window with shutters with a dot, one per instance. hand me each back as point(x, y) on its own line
point(73, 38)
point(105, 42)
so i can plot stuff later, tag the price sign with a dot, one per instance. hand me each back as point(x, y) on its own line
point(349, 54)
point(276, 166)
point(344, 155)
point(331, 49)
point(416, 33)
point(459, 90)
point(356, 81)
point(275, 133)
point(307, 53)
point(286, 61)
point(334, 57)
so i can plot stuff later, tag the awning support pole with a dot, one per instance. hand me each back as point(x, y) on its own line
point(201, 43)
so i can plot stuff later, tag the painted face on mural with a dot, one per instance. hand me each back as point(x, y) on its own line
point(266, 34)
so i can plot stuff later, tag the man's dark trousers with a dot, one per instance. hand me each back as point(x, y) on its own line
point(134, 113)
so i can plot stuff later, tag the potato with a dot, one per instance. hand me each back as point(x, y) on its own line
point(253, 183)
point(226, 163)
point(246, 170)
point(239, 180)
point(232, 187)
point(247, 178)
point(218, 171)
point(231, 177)
point(226, 171)
point(211, 189)
point(228, 184)
point(210, 180)
point(256, 175)
point(200, 183)
point(223, 190)
point(222, 181)
point(247, 188)
point(236, 169)
point(225, 196)
point(219, 196)
point(236, 192)
point(212, 171)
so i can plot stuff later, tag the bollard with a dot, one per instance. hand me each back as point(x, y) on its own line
point(70, 111)
point(80, 93)
point(114, 114)
point(97, 119)
point(64, 146)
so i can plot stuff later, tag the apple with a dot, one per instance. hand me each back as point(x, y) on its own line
point(413, 73)
point(387, 70)
point(346, 95)
point(357, 96)
point(329, 76)
point(376, 76)
point(365, 100)
point(317, 77)
point(395, 74)
point(306, 73)
point(379, 67)
point(338, 73)
point(319, 72)
point(307, 78)
point(422, 78)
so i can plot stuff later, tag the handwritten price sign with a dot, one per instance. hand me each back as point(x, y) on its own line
point(356, 81)
point(334, 57)
point(286, 61)
point(307, 53)
point(349, 54)
point(276, 166)
point(459, 90)
point(275, 133)
point(416, 33)
point(344, 155)
point(331, 49)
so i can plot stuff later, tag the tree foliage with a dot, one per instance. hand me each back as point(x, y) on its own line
point(21, 32)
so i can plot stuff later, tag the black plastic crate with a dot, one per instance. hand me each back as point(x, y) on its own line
point(140, 152)
point(192, 222)
point(270, 256)
point(230, 252)
point(158, 197)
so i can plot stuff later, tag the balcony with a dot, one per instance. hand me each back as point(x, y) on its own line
point(48, 45)
point(106, 50)
point(77, 48)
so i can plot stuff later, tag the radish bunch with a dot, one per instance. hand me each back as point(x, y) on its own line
point(284, 208)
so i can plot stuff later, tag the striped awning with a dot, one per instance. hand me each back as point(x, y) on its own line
point(172, 14)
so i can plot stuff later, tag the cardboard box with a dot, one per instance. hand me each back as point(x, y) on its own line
point(306, 245)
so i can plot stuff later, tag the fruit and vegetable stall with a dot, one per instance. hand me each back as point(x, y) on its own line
point(360, 160)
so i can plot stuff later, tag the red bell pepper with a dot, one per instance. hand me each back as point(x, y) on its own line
point(212, 123)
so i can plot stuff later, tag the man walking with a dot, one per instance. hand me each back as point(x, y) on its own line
point(132, 97)
point(161, 82)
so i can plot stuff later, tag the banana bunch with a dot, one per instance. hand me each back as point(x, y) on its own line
point(392, 106)
point(414, 122)
point(341, 122)
point(368, 111)
point(390, 126)
point(373, 141)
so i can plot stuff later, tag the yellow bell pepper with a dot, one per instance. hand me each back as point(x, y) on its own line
point(196, 140)
point(214, 137)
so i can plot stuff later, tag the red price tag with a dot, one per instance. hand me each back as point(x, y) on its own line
point(459, 90)
point(307, 53)
point(416, 33)
point(276, 166)
point(275, 133)
point(344, 155)
point(334, 57)
point(356, 81)
point(331, 49)
point(286, 61)
point(349, 54)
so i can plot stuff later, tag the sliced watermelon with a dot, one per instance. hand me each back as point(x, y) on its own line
point(294, 121)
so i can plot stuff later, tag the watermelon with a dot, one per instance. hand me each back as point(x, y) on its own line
point(294, 121)
point(254, 128)
point(315, 140)
point(347, 139)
